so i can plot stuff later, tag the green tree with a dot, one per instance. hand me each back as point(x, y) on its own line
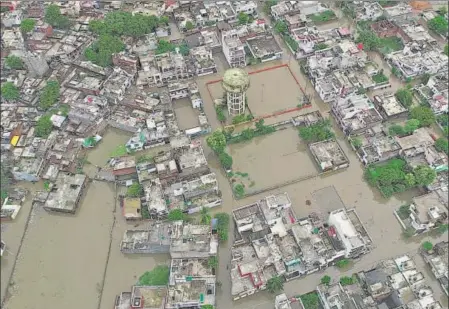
point(442, 10)
point(44, 126)
point(176, 215)
point(9, 91)
point(207, 306)
point(275, 284)
point(101, 51)
point(243, 18)
point(164, 46)
point(404, 96)
point(442, 228)
point(441, 144)
point(54, 17)
point(424, 114)
point(222, 225)
point(220, 114)
point(267, 6)
point(320, 46)
point(184, 50)
point(342, 263)
point(14, 62)
point(281, 27)
point(427, 245)
point(216, 141)
point(164, 20)
point(310, 300)
point(425, 78)
point(356, 142)
point(346, 280)
point(424, 175)
point(411, 125)
point(27, 25)
point(157, 276)
point(205, 216)
point(49, 95)
point(319, 131)
point(212, 262)
point(225, 160)
point(396, 130)
point(134, 190)
point(118, 23)
point(239, 190)
point(326, 280)
point(189, 25)
point(369, 39)
point(438, 24)
point(410, 179)
point(446, 50)
point(404, 212)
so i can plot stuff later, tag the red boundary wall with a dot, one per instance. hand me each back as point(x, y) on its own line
point(293, 109)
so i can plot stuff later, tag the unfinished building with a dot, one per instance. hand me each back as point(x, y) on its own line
point(145, 297)
point(66, 193)
point(192, 241)
point(329, 155)
point(155, 239)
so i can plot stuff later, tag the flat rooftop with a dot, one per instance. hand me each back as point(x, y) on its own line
point(65, 194)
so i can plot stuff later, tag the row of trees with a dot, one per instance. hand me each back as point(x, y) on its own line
point(217, 142)
point(396, 176)
point(317, 132)
point(119, 23)
point(54, 17)
point(410, 126)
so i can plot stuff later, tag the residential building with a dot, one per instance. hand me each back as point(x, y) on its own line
point(264, 48)
point(66, 193)
point(416, 143)
point(233, 48)
point(437, 259)
point(329, 155)
point(390, 107)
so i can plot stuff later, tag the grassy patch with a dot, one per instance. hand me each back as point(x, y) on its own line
point(390, 44)
point(323, 16)
point(158, 276)
point(119, 151)
point(380, 78)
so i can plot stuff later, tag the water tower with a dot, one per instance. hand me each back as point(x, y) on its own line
point(235, 83)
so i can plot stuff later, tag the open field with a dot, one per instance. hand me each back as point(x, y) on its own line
point(272, 160)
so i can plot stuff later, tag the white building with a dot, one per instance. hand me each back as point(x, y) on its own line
point(233, 48)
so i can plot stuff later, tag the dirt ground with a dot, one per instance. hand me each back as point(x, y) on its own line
point(271, 160)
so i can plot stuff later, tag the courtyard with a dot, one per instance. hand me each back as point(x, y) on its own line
point(271, 160)
point(186, 115)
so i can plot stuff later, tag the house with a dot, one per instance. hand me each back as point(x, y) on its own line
point(416, 143)
point(329, 155)
point(124, 168)
point(131, 208)
point(144, 297)
point(390, 107)
point(427, 212)
point(192, 241)
point(12, 18)
point(437, 259)
point(264, 48)
point(66, 193)
point(399, 13)
point(115, 85)
point(233, 48)
point(435, 92)
point(355, 114)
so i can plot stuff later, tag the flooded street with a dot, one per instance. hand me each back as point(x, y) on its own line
point(75, 261)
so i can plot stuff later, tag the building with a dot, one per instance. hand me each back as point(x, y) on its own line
point(390, 107)
point(156, 239)
point(355, 114)
point(351, 232)
point(264, 48)
point(66, 193)
point(131, 208)
point(192, 241)
point(115, 85)
point(233, 48)
point(183, 270)
point(415, 144)
point(142, 297)
point(437, 259)
point(329, 155)
point(435, 92)
point(235, 83)
point(399, 13)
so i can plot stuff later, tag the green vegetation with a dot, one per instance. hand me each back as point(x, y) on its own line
point(320, 46)
point(101, 51)
point(176, 215)
point(14, 62)
point(427, 245)
point(323, 16)
point(27, 25)
point(395, 176)
point(356, 142)
point(442, 228)
point(4, 9)
point(54, 17)
point(439, 24)
point(216, 141)
point(404, 96)
point(47, 186)
point(348, 11)
point(425, 78)
point(164, 46)
point(404, 212)
point(5, 178)
point(310, 300)
point(442, 145)
point(144, 158)
point(446, 50)
point(342, 263)
point(158, 276)
point(281, 27)
point(380, 78)
point(326, 280)
point(49, 95)
point(409, 232)
point(239, 190)
point(205, 216)
point(348, 280)
point(410, 126)
point(443, 120)
point(396, 130)
point(219, 110)
point(9, 91)
point(118, 23)
point(119, 151)
point(207, 306)
point(222, 225)
point(385, 3)
point(44, 126)
point(390, 44)
point(275, 284)
point(134, 190)
point(145, 212)
point(395, 71)
point(242, 118)
point(189, 25)
point(212, 262)
point(368, 38)
point(244, 18)
point(225, 160)
point(267, 6)
point(317, 132)
point(424, 114)
point(291, 42)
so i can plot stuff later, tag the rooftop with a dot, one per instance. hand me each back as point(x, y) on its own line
point(235, 80)
point(66, 192)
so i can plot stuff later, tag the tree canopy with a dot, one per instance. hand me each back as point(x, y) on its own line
point(325, 280)
point(405, 96)
point(176, 215)
point(424, 175)
point(157, 276)
point(9, 91)
point(189, 25)
point(49, 95)
point(441, 144)
point(27, 25)
point(243, 18)
point(134, 190)
point(281, 27)
point(205, 216)
point(267, 6)
point(118, 23)
point(101, 51)
point(446, 50)
point(275, 284)
point(423, 114)
point(222, 225)
point(14, 62)
point(54, 17)
point(438, 24)
point(319, 131)
point(217, 141)
point(44, 126)
point(225, 160)
point(368, 38)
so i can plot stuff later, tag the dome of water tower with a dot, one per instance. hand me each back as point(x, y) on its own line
point(235, 80)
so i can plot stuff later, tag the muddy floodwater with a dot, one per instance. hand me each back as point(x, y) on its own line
point(272, 160)
point(75, 261)
point(186, 115)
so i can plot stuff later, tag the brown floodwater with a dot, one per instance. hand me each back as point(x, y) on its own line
point(112, 138)
point(186, 115)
